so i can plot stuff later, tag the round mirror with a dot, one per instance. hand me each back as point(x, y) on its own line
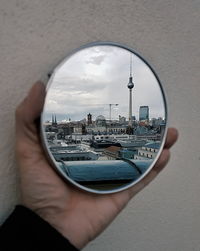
point(104, 119)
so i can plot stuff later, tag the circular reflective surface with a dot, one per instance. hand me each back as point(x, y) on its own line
point(104, 119)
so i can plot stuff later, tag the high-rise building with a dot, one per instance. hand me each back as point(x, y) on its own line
point(144, 113)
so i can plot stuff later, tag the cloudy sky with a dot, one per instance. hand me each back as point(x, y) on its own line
point(94, 77)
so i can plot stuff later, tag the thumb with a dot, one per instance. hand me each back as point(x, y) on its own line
point(31, 107)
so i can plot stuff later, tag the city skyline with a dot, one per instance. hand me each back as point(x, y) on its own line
point(93, 78)
point(64, 118)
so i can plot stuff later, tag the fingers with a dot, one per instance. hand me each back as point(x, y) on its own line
point(31, 107)
point(172, 136)
point(124, 196)
point(160, 164)
point(162, 161)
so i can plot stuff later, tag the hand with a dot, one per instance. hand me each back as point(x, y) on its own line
point(79, 216)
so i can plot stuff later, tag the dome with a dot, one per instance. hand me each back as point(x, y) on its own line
point(100, 117)
point(100, 120)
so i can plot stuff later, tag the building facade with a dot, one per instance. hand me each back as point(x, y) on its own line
point(144, 113)
point(149, 151)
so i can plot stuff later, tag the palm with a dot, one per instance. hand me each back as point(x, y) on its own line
point(45, 193)
point(78, 215)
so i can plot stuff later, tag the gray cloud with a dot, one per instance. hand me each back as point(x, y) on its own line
point(96, 59)
point(99, 75)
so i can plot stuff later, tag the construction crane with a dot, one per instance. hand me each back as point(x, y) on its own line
point(110, 108)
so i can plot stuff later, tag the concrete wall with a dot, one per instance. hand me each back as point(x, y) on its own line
point(35, 35)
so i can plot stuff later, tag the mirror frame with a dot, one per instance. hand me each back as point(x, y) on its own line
point(42, 132)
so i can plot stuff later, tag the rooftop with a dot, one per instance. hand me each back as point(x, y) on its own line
point(154, 145)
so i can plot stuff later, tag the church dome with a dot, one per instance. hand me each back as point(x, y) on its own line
point(100, 120)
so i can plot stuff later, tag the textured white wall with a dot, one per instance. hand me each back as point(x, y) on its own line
point(35, 35)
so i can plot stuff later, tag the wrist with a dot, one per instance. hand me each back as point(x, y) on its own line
point(26, 228)
point(69, 229)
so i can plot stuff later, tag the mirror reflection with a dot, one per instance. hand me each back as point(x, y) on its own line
point(104, 117)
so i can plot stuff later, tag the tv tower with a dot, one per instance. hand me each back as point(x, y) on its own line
point(130, 87)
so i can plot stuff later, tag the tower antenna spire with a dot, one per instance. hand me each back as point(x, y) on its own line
point(131, 64)
point(130, 87)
